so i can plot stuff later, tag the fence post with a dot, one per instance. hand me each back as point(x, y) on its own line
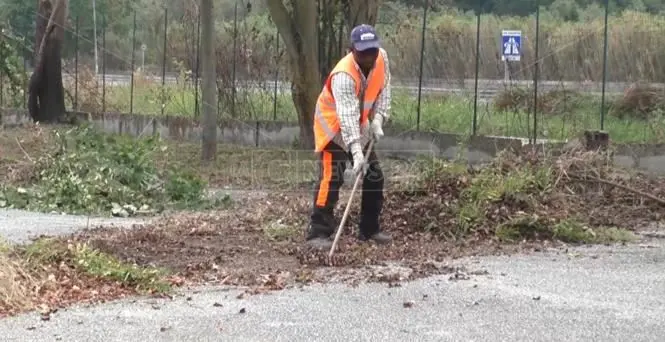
point(602, 100)
point(274, 95)
point(76, 66)
point(104, 64)
point(2, 92)
point(422, 60)
point(198, 62)
point(25, 72)
point(131, 85)
point(319, 48)
point(166, 25)
point(536, 76)
point(475, 91)
point(94, 25)
point(235, 54)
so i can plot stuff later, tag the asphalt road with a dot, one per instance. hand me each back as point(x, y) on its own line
point(583, 294)
point(18, 226)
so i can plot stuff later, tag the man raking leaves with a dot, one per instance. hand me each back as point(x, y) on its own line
point(350, 112)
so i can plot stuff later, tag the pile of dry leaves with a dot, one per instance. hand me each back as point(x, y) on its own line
point(261, 245)
point(529, 197)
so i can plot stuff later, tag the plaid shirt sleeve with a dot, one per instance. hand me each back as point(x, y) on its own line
point(383, 102)
point(347, 105)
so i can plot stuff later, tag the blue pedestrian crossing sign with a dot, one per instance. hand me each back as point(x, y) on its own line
point(511, 45)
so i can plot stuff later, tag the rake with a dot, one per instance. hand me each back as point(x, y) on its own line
point(348, 204)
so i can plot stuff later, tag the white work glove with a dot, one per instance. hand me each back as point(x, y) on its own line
point(359, 164)
point(377, 127)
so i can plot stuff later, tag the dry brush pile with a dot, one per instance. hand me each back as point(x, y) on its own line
point(578, 196)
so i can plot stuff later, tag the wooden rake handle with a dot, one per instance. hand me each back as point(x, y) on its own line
point(348, 204)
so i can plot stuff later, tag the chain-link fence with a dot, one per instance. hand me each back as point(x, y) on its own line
point(450, 73)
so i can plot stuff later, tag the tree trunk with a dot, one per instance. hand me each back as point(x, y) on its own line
point(209, 138)
point(41, 22)
point(46, 102)
point(304, 96)
point(298, 28)
point(305, 89)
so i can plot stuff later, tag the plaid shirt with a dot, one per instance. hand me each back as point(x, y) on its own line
point(348, 106)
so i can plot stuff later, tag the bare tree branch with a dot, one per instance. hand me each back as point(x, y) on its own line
point(285, 24)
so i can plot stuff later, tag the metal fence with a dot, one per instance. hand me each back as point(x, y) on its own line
point(449, 72)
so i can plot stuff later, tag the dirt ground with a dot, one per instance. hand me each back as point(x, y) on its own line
point(258, 245)
point(261, 245)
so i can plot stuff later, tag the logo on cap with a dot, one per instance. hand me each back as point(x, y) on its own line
point(367, 36)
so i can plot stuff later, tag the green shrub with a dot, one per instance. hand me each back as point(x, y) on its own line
point(91, 172)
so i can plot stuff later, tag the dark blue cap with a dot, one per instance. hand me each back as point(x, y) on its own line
point(364, 37)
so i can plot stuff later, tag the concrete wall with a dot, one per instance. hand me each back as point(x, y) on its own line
point(396, 144)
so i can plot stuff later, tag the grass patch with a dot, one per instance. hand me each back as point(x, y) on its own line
point(84, 171)
point(532, 227)
point(633, 116)
point(49, 273)
point(91, 262)
point(524, 227)
point(574, 231)
point(562, 114)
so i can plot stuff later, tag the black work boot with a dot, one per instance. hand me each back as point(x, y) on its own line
point(381, 238)
point(318, 235)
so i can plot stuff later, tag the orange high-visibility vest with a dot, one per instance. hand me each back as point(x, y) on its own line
point(326, 123)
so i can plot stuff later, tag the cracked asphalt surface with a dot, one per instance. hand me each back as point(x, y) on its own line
point(598, 293)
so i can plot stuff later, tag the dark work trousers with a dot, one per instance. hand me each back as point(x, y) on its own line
point(332, 163)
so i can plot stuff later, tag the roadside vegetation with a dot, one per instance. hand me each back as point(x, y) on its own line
point(631, 117)
point(435, 209)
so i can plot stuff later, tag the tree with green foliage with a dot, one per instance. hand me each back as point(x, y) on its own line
point(11, 71)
